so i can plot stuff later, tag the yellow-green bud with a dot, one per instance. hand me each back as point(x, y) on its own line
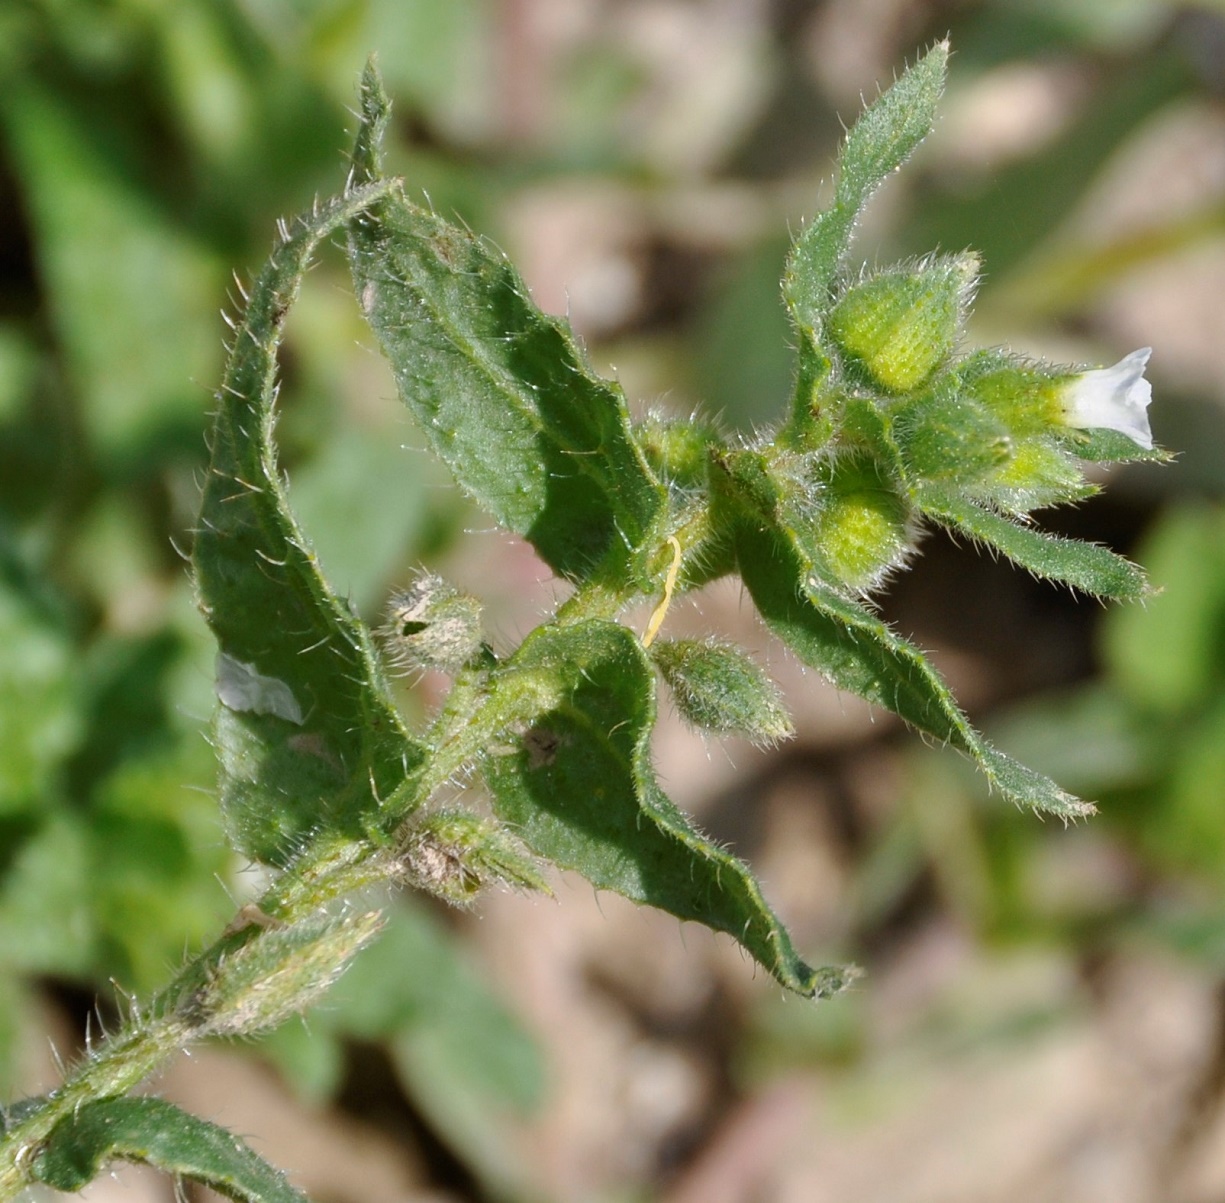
point(944, 436)
point(1024, 397)
point(862, 529)
point(1037, 473)
point(677, 450)
point(898, 328)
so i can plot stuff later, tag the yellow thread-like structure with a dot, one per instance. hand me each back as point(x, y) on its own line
point(657, 618)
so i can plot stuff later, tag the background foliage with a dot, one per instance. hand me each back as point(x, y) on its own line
point(641, 161)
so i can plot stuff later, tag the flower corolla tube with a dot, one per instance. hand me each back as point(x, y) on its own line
point(1116, 398)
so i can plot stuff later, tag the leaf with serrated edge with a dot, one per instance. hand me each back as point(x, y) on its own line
point(878, 144)
point(1086, 566)
point(307, 734)
point(859, 653)
point(500, 389)
point(578, 787)
point(159, 1134)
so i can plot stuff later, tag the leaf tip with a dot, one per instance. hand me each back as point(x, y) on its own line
point(828, 981)
point(374, 107)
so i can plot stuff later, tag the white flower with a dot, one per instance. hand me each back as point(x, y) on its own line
point(1116, 398)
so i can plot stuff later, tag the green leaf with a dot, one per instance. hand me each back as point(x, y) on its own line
point(1166, 655)
point(361, 480)
point(1186, 829)
point(16, 1026)
point(879, 143)
point(500, 389)
point(578, 788)
point(48, 922)
point(1086, 566)
point(161, 1135)
point(130, 292)
point(1100, 446)
point(466, 1061)
point(39, 695)
point(414, 983)
point(307, 734)
point(859, 653)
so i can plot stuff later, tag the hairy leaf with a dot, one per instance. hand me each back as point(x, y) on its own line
point(578, 786)
point(307, 735)
point(859, 653)
point(1101, 446)
point(161, 1135)
point(501, 390)
point(879, 143)
point(1086, 566)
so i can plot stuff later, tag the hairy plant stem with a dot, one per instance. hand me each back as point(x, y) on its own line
point(323, 873)
point(168, 1025)
point(119, 1065)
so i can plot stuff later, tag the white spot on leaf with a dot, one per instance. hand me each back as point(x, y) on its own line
point(242, 688)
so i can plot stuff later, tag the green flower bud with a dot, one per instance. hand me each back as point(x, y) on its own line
point(1037, 474)
point(717, 688)
point(432, 625)
point(1035, 399)
point(949, 438)
point(862, 525)
point(1022, 396)
point(899, 327)
point(678, 451)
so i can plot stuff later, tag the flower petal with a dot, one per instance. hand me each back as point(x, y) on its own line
point(1115, 398)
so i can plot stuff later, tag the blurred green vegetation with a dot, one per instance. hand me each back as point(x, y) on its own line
point(146, 148)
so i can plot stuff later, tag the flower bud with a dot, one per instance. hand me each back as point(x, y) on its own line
point(678, 451)
point(432, 625)
point(1030, 399)
point(862, 529)
point(950, 438)
point(1037, 474)
point(1022, 396)
point(899, 327)
point(717, 688)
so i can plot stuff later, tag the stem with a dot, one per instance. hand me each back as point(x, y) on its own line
point(125, 1060)
point(118, 1066)
point(323, 874)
